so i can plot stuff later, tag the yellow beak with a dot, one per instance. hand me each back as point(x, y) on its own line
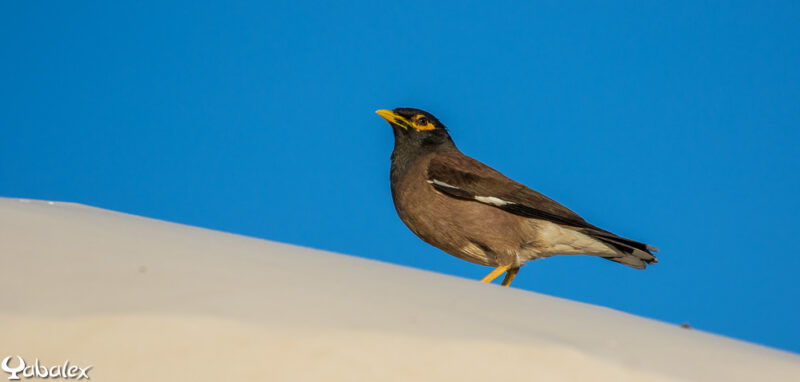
point(393, 118)
point(386, 114)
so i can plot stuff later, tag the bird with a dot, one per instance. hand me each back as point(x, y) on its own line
point(475, 213)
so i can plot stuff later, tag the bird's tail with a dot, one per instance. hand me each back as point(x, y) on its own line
point(631, 253)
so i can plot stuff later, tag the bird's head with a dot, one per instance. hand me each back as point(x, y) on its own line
point(416, 127)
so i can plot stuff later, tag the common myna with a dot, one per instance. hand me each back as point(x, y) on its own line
point(475, 213)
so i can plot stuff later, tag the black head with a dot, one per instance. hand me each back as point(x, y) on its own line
point(416, 128)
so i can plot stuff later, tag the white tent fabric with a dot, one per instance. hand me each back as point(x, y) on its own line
point(141, 299)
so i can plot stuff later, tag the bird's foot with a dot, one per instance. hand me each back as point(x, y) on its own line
point(511, 273)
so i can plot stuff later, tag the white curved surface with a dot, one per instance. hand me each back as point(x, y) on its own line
point(142, 299)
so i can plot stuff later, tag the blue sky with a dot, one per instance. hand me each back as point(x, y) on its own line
point(674, 124)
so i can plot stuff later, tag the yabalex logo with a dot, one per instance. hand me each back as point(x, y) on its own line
point(36, 370)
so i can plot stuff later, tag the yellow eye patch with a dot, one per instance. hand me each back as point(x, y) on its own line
point(421, 123)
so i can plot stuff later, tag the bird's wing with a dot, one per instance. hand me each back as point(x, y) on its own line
point(462, 177)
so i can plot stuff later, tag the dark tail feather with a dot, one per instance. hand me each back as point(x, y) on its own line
point(632, 253)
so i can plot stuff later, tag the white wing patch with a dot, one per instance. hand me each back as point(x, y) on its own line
point(492, 200)
point(495, 201)
point(443, 184)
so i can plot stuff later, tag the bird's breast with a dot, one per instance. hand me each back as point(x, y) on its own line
point(466, 229)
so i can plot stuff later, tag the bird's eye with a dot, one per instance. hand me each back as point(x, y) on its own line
point(422, 121)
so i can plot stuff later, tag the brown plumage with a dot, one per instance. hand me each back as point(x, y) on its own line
point(475, 213)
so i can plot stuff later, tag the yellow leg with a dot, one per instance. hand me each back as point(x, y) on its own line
point(496, 272)
point(510, 276)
